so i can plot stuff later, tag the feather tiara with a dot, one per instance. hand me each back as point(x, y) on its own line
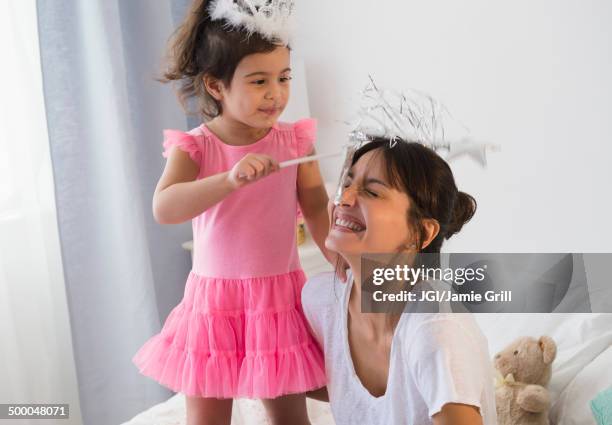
point(272, 19)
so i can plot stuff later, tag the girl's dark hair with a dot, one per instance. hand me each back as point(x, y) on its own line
point(200, 46)
point(429, 183)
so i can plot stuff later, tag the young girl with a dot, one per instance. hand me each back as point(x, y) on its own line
point(239, 330)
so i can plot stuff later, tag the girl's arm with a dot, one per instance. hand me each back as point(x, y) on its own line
point(313, 200)
point(180, 197)
point(313, 203)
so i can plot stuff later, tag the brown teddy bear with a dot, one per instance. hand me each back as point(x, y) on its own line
point(524, 369)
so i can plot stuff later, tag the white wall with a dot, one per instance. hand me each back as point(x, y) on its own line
point(531, 76)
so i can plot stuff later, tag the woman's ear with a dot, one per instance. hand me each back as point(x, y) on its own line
point(431, 229)
point(214, 87)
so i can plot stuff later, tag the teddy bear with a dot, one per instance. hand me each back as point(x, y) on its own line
point(524, 369)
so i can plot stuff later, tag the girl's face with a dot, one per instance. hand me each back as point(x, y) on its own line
point(372, 216)
point(259, 90)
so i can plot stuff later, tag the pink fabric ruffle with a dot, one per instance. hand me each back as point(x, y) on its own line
point(231, 338)
point(185, 142)
point(305, 133)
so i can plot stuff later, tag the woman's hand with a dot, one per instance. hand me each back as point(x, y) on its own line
point(251, 168)
point(457, 414)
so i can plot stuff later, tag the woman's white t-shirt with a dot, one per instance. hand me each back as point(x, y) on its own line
point(436, 358)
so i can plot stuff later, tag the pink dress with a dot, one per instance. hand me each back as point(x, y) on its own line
point(240, 330)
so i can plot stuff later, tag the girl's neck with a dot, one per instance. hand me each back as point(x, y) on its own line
point(234, 132)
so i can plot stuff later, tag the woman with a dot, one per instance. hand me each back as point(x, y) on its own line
point(411, 368)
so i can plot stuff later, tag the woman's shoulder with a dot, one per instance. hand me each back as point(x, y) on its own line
point(322, 290)
point(449, 362)
point(437, 330)
point(321, 297)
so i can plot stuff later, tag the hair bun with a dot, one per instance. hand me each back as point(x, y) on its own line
point(463, 210)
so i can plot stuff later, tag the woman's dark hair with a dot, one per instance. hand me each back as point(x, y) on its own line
point(200, 46)
point(429, 183)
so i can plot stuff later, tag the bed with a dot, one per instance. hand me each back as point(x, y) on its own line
point(583, 368)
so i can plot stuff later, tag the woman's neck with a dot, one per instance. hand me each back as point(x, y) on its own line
point(377, 326)
point(234, 132)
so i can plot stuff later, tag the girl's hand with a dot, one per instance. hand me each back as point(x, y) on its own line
point(251, 168)
point(339, 263)
point(335, 259)
point(343, 267)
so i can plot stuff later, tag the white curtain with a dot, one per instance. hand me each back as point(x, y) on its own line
point(36, 360)
point(105, 115)
point(86, 275)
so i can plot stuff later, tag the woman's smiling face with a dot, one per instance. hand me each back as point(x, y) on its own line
point(372, 216)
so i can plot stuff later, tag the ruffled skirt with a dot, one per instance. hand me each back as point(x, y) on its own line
point(232, 338)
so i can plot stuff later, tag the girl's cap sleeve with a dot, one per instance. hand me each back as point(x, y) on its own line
point(185, 142)
point(305, 134)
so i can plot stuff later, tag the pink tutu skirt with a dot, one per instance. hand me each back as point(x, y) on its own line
point(231, 338)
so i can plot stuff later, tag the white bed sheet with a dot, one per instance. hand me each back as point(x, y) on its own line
point(245, 412)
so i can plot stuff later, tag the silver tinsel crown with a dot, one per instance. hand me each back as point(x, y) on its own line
point(411, 117)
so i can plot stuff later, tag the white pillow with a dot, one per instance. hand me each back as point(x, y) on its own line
point(573, 406)
point(580, 338)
